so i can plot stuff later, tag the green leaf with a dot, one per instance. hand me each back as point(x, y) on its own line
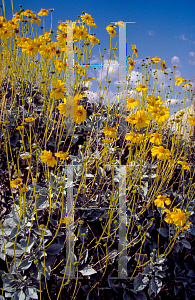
point(140, 282)
point(54, 249)
point(155, 285)
point(164, 232)
point(185, 243)
point(88, 270)
point(31, 292)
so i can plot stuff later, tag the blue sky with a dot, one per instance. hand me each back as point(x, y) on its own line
point(162, 28)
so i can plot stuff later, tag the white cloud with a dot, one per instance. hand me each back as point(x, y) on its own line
point(175, 60)
point(192, 54)
point(151, 32)
point(191, 62)
point(138, 61)
point(182, 37)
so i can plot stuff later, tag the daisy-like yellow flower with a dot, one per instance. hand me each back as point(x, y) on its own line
point(36, 20)
point(163, 114)
point(27, 13)
point(141, 119)
point(62, 155)
point(67, 220)
point(112, 32)
point(178, 81)
point(110, 131)
point(186, 226)
point(161, 200)
point(141, 88)
point(80, 114)
point(30, 47)
point(120, 24)
point(131, 103)
point(168, 218)
point(184, 164)
point(131, 119)
point(192, 121)
point(43, 12)
point(154, 110)
point(58, 89)
point(161, 152)
point(107, 141)
point(131, 63)
point(82, 34)
point(86, 18)
point(20, 127)
point(48, 159)
point(154, 100)
point(156, 138)
point(171, 161)
point(179, 217)
point(17, 182)
point(26, 156)
point(77, 98)
point(135, 50)
point(93, 40)
point(163, 65)
point(134, 138)
point(156, 59)
point(29, 119)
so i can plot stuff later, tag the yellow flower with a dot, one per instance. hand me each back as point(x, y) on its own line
point(26, 156)
point(154, 100)
point(184, 164)
point(82, 34)
point(156, 138)
point(131, 63)
point(80, 114)
point(178, 81)
point(93, 40)
point(163, 114)
point(141, 87)
point(35, 20)
point(163, 65)
point(67, 220)
point(47, 157)
point(110, 131)
point(107, 141)
point(77, 98)
point(62, 155)
point(156, 59)
point(186, 226)
point(141, 119)
point(43, 12)
point(131, 103)
point(120, 24)
point(29, 119)
point(111, 31)
point(16, 182)
point(179, 217)
point(87, 19)
point(135, 50)
point(19, 127)
point(134, 138)
point(171, 161)
point(27, 13)
point(161, 152)
point(161, 200)
point(154, 110)
point(192, 121)
point(58, 89)
point(168, 218)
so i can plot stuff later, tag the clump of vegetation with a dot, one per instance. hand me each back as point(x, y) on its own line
point(95, 203)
